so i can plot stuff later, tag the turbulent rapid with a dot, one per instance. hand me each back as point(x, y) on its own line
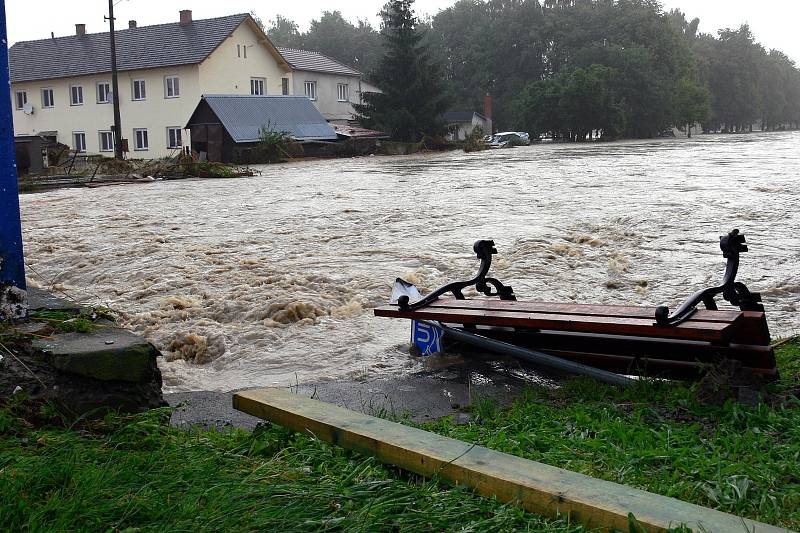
point(271, 279)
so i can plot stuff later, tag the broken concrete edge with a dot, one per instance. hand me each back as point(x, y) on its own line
point(13, 303)
point(90, 373)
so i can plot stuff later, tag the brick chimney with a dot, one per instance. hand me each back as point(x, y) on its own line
point(487, 111)
point(131, 24)
point(186, 16)
point(80, 29)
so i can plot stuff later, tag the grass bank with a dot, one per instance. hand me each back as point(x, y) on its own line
point(137, 474)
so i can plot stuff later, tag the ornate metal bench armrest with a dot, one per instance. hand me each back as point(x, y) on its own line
point(484, 250)
point(733, 291)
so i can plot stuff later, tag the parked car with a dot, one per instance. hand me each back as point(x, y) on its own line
point(507, 139)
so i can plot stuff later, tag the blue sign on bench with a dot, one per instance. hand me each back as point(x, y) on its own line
point(426, 337)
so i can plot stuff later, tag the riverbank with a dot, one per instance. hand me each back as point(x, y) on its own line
point(138, 472)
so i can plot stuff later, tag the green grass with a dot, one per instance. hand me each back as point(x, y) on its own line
point(658, 437)
point(138, 474)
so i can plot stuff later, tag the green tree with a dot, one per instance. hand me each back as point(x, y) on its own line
point(691, 104)
point(412, 97)
point(357, 45)
point(282, 32)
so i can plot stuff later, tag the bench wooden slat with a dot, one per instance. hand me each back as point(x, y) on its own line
point(621, 311)
point(705, 331)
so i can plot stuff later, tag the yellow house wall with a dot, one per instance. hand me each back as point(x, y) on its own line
point(225, 72)
point(155, 113)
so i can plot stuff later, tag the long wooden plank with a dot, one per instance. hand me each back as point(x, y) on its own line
point(537, 487)
point(620, 311)
point(703, 331)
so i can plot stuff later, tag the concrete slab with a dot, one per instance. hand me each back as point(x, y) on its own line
point(42, 300)
point(107, 354)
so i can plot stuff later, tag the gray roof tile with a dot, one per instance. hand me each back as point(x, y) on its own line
point(243, 116)
point(162, 45)
point(315, 62)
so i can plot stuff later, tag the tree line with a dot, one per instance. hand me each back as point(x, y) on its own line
point(573, 69)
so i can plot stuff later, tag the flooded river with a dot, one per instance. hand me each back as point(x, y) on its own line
point(270, 280)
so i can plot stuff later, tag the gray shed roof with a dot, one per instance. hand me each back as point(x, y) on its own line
point(162, 45)
point(243, 116)
point(315, 62)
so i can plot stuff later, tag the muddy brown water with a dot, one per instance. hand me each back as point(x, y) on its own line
point(270, 280)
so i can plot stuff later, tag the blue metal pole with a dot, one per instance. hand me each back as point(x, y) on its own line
point(13, 297)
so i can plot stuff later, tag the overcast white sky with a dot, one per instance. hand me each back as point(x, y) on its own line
point(774, 22)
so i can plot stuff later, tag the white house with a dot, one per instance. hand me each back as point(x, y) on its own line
point(63, 85)
point(332, 86)
point(461, 123)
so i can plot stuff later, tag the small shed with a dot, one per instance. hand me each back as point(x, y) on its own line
point(461, 123)
point(31, 152)
point(226, 127)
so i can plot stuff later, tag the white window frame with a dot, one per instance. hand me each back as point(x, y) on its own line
point(107, 92)
point(101, 135)
point(146, 137)
point(178, 136)
point(172, 83)
point(143, 90)
point(24, 99)
point(310, 88)
point(72, 100)
point(52, 101)
point(342, 92)
point(244, 51)
point(258, 84)
point(285, 86)
point(75, 135)
point(238, 50)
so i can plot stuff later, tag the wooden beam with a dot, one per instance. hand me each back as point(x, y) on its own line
point(539, 488)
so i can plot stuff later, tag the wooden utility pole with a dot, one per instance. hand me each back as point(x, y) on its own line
point(13, 298)
point(114, 84)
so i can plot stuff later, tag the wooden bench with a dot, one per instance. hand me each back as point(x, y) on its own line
point(624, 339)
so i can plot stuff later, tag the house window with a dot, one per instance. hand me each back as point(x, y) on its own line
point(79, 141)
point(311, 90)
point(103, 93)
point(21, 98)
point(47, 97)
point(257, 86)
point(139, 92)
point(106, 141)
point(285, 86)
point(244, 51)
point(174, 137)
point(238, 50)
point(76, 95)
point(342, 94)
point(140, 140)
point(172, 87)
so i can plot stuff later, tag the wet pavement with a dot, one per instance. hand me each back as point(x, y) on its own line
point(425, 396)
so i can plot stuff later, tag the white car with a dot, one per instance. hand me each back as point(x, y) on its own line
point(507, 139)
